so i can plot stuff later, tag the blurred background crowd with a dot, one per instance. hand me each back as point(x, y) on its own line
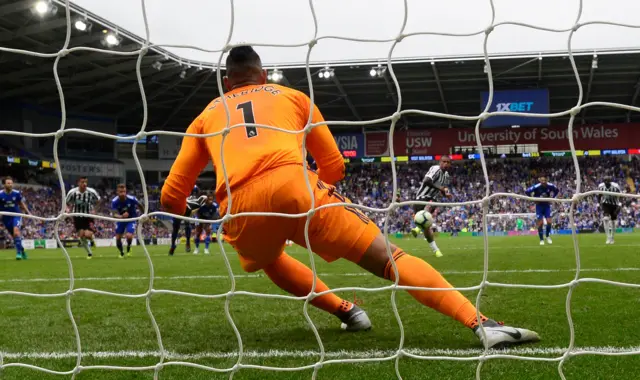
point(371, 185)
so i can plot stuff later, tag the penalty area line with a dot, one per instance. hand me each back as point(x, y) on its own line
point(357, 274)
point(528, 351)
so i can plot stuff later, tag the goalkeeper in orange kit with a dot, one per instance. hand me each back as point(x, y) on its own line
point(265, 172)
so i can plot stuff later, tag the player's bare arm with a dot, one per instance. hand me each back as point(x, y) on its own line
point(24, 208)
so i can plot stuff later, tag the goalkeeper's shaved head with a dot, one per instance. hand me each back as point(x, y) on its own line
point(244, 67)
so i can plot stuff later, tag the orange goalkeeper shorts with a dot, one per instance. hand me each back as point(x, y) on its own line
point(334, 232)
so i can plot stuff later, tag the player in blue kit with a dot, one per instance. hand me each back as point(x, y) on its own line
point(11, 201)
point(187, 225)
point(125, 206)
point(543, 189)
point(208, 211)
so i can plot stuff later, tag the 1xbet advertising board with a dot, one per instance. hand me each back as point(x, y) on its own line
point(527, 101)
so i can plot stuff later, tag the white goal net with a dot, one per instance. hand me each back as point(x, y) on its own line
point(229, 294)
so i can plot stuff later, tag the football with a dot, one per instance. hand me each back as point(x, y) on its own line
point(423, 219)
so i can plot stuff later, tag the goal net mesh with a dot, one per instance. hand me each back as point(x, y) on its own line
point(228, 296)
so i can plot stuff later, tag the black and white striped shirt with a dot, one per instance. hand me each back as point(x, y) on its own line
point(439, 178)
point(194, 203)
point(609, 199)
point(82, 202)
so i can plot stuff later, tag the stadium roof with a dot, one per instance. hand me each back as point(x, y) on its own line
point(105, 85)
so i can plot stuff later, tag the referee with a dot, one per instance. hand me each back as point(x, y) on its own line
point(82, 199)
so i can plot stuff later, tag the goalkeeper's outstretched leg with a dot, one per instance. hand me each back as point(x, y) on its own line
point(296, 278)
point(414, 271)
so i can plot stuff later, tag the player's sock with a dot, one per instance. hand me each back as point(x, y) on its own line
point(433, 246)
point(540, 233)
point(187, 234)
point(207, 240)
point(86, 245)
point(417, 272)
point(17, 242)
point(612, 228)
point(129, 241)
point(294, 277)
point(607, 231)
point(119, 246)
point(174, 233)
point(196, 240)
point(548, 231)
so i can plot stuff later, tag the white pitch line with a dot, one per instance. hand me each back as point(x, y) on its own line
point(359, 274)
point(533, 351)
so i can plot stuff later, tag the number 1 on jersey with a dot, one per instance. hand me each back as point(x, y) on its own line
point(247, 115)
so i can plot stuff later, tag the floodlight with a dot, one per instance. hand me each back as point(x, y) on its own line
point(82, 25)
point(112, 39)
point(42, 7)
point(326, 73)
point(373, 72)
point(276, 75)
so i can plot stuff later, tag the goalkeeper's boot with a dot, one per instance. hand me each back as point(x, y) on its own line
point(196, 251)
point(415, 232)
point(355, 319)
point(549, 241)
point(24, 255)
point(499, 336)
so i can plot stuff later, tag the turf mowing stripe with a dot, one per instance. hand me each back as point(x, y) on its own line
point(206, 277)
point(309, 353)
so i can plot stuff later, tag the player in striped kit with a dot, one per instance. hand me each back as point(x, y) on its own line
point(207, 211)
point(83, 199)
point(434, 185)
point(193, 203)
point(610, 206)
point(11, 201)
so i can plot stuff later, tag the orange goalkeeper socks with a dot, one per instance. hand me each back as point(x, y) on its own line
point(417, 272)
point(296, 278)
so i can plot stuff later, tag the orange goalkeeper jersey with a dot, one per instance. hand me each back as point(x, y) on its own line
point(250, 151)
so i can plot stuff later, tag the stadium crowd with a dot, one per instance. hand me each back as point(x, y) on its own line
point(371, 185)
point(46, 202)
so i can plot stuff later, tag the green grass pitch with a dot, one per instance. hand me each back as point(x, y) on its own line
point(118, 331)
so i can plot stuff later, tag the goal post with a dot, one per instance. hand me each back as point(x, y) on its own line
point(512, 224)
